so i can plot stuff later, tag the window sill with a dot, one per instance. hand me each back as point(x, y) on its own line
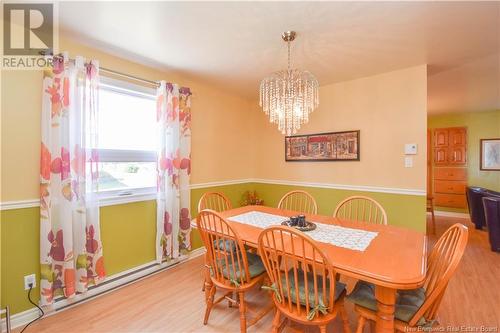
point(109, 199)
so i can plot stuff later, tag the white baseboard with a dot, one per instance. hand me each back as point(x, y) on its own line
point(111, 283)
point(451, 214)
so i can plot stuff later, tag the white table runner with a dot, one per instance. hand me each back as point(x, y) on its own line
point(353, 239)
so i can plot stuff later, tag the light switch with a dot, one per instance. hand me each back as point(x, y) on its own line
point(410, 149)
point(408, 162)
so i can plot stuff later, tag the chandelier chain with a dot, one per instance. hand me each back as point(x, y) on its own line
point(289, 62)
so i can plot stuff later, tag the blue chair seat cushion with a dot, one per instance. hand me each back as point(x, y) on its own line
point(339, 288)
point(227, 245)
point(407, 301)
point(233, 272)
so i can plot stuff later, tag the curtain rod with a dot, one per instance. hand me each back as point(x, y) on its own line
point(128, 76)
point(113, 72)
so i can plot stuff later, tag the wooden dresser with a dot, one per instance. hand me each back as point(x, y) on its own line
point(450, 166)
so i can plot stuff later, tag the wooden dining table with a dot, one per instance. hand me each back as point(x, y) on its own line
point(395, 258)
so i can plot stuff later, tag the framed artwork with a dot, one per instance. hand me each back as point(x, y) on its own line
point(334, 146)
point(490, 154)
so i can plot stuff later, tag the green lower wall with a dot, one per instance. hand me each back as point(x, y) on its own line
point(128, 235)
point(20, 255)
point(402, 210)
point(128, 231)
point(480, 125)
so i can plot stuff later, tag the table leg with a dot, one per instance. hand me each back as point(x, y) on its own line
point(386, 300)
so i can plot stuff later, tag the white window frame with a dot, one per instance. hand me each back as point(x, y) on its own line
point(113, 197)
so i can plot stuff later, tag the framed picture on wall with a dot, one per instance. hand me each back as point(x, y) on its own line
point(333, 146)
point(490, 154)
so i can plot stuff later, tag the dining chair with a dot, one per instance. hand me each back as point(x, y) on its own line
point(300, 201)
point(417, 308)
point(229, 267)
point(430, 209)
point(217, 201)
point(361, 208)
point(303, 284)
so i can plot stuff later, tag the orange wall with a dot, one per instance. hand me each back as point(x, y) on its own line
point(389, 109)
point(220, 146)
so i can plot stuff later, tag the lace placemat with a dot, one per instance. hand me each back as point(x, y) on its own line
point(349, 238)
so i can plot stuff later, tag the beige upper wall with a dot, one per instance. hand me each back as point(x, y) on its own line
point(220, 146)
point(390, 110)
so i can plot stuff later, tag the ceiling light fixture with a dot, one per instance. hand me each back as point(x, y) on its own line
point(289, 96)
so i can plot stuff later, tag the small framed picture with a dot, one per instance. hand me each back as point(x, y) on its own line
point(490, 154)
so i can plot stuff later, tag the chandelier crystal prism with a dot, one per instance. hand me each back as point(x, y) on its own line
point(289, 96)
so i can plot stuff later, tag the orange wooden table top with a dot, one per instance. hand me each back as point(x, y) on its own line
point(395, 259)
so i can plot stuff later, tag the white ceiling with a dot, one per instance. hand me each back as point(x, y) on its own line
point(235, 44)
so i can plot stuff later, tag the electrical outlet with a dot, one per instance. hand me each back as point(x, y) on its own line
point(29, 279)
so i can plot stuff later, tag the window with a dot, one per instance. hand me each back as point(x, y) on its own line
point(127, 138)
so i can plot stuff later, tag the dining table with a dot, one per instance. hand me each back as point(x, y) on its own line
point(395, 258)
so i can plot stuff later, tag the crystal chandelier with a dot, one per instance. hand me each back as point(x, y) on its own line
point(288, 96)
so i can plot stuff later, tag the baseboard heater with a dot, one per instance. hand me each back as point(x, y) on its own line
point(103, 285)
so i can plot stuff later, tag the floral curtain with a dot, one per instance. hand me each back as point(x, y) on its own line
point(71, 250)
point(174, 167)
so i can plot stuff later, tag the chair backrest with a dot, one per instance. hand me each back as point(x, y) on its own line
point(215, 201)
point(442, 263)
point(474, 197)
point(492, 218)
point(226, 253)
point(300, 201)
point(361, 208)
point(289, 256)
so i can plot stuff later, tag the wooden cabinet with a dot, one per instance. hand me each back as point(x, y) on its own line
point(449, 171)
point(441, 156)
point(450, 200)
point(450, 174)
point(457, 155)
point(457, 137)
point(450, 186)
point(450, 146)
point(441, 137)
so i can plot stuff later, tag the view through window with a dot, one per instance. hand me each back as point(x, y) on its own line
point(127, 137)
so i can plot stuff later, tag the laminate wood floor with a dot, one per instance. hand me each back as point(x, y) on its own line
point(171, 301)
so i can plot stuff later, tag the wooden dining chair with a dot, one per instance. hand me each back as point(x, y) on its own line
point(303, 284)
point(430, 209)
point(361, 208)
point(230, 267)
point(216, 201)
point(418, 307)
point(300, 201)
